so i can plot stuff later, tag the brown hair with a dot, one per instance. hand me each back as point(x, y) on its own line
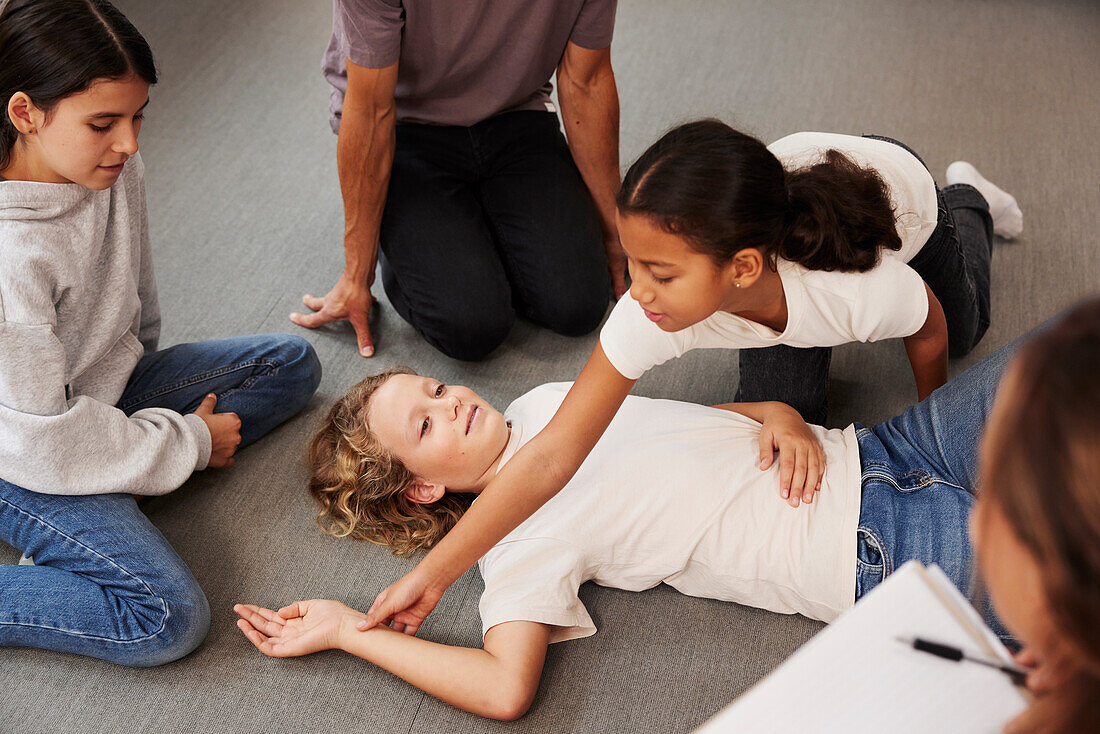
point(1040, 463)
point(361, 485)
point(723, 191)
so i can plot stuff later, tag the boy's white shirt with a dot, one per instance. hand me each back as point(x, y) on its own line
point(78, 309)
point(673, 493)
point(825, 309)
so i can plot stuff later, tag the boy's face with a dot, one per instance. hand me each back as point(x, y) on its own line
point(444, 434)
point(87, 137)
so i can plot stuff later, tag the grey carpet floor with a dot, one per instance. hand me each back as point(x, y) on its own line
point(246, 217)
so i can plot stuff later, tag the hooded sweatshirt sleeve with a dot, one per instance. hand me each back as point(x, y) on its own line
point(56, 445)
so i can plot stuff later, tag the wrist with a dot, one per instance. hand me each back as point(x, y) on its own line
point(346, 631)
point(436, 575)
point(357, 278)
point(775, 408)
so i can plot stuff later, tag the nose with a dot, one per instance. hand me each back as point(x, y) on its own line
point(639, 291)
point(127, 141)
point(453, 404)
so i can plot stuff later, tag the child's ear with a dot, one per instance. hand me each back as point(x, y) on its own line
point(22, 113)
point(746, 266)
point(424, 493)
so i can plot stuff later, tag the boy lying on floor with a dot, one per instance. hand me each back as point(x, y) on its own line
point(673, 492)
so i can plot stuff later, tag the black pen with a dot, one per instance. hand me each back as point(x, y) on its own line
point(947, 652)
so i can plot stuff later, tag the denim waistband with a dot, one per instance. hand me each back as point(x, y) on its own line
point(872, 454)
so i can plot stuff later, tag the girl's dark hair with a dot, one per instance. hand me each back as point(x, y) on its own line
point(52, 49)
point(724, 191)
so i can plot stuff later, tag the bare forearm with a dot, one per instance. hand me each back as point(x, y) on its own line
point(590, 112)
point(525, 483)
point(475, 680)
point(927, 349)
point(758, 412)
point(928, 358)
point(364, 158)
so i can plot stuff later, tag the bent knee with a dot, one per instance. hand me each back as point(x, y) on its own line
point(572, 306)
point(576, 317)
point(299, 367)
point(472, 339)
point(178, 626)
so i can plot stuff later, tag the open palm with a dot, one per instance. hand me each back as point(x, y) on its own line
point(301, 628)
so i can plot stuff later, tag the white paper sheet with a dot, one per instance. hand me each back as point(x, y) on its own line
point(856, 676)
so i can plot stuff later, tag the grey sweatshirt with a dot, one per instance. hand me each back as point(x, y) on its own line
point(78, 309)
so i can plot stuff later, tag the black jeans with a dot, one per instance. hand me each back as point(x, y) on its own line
point(954, 262)
point(488, 221)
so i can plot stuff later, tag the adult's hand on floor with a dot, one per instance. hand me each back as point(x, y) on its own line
point(403, 605)
point(349, 300)
point(225, 432)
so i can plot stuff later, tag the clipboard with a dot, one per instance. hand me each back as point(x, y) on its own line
point(856, 676)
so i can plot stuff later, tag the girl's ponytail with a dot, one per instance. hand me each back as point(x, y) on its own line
point(839, 216)
point(724, 191)
point(53, 49)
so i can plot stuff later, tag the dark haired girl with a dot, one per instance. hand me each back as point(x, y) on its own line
point(90, 412)
point(820, 239)
point(733, 245)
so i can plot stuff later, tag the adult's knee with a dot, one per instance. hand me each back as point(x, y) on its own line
point(575, 315)
point(471, 337)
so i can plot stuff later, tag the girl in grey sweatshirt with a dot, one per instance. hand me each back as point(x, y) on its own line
point(91, 412)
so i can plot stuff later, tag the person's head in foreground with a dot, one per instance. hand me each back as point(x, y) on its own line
point(1036, 526)
point(401, 457)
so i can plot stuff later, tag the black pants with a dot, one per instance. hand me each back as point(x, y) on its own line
point(488, 221)
point(954, 262)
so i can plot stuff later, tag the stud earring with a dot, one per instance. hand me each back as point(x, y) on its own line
point(736, 284)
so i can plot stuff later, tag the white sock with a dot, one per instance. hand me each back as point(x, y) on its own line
point(26, 561)
point(1008, 220)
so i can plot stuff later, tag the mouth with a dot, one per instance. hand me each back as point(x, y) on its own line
point(470, 418)
point(113, 169)
point(654, 317)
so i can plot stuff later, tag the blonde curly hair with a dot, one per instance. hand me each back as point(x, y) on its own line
point(361, 485)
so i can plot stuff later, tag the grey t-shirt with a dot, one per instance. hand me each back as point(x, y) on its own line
point(462, 61)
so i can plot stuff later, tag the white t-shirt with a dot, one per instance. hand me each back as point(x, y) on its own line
point(824, 309)
point(673, 493)
point(912, 188)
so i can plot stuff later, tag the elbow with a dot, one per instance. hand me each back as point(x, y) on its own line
point(511, 701)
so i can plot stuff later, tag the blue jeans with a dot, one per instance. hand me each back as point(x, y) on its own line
point(920, 478)
point(106, 582)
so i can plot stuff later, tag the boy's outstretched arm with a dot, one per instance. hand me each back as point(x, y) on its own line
point(536, 473)
point(498, 681)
